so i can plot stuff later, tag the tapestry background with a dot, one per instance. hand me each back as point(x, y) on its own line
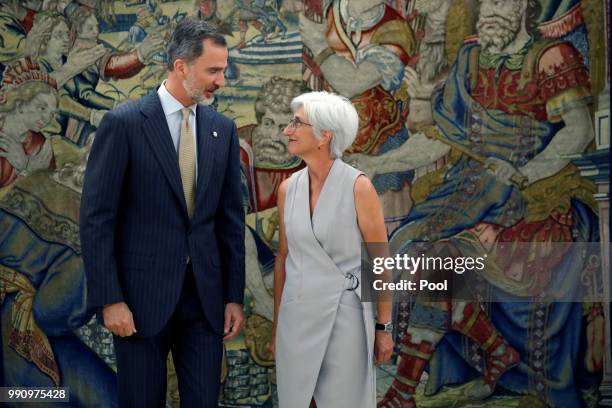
point(66, 63)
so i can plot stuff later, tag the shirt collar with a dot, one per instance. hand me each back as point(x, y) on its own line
point(169, 103)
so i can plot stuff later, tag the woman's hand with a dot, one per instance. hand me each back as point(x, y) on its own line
point(13, 152)
point(383, 346)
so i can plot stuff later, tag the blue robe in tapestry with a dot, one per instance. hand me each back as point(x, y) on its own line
point(547, 335)
point(39, 241)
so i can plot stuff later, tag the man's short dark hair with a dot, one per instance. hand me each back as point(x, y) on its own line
point(186, 42)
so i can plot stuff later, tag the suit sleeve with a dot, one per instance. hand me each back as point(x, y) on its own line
point(229, 226)
point(99, 207)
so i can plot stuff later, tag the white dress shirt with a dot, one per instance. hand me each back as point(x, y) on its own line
point(172, 110)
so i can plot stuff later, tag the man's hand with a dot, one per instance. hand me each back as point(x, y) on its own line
point(383, 346)
point(503, 170)
point(119, 320)
point(234, 320)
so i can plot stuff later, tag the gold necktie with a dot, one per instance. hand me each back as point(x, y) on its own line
point(187, 160)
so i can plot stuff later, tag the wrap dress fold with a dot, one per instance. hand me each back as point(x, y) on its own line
point(325, 334)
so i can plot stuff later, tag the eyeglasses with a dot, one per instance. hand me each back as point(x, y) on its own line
point(296, 123)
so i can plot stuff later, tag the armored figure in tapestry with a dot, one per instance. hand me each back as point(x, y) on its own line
point(514, 107)
point(370, 41)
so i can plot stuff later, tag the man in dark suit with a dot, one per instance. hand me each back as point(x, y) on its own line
point(162, 228)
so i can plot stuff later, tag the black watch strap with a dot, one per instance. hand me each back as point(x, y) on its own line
point(387, 327)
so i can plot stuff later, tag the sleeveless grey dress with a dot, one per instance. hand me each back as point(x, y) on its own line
point(325, 334)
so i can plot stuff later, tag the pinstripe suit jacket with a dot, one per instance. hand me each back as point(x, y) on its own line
point(135, 232)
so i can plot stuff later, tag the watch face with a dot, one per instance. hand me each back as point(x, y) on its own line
point(388, 327)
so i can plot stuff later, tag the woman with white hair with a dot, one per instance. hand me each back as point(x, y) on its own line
point(324, 337)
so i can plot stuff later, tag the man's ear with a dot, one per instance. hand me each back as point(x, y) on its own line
point(180, 67)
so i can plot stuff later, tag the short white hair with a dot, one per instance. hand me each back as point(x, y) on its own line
point(328, 111)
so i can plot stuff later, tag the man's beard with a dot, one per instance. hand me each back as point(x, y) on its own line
point(196, 94)
point(504, 31)
point(269, 153)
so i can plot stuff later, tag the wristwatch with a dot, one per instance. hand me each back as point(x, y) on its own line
point(387, 327)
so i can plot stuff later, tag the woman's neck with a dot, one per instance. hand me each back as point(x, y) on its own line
point(318, 168)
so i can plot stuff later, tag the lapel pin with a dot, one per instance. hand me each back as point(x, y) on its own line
point(214, 134)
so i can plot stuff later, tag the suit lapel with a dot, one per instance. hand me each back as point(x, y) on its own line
point(206, 148)
point(156, 130)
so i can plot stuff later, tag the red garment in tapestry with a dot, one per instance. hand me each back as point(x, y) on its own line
point(28, 20)
point(559, 68)
point(31, 145)
point(379, 116)
point(263, 184)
